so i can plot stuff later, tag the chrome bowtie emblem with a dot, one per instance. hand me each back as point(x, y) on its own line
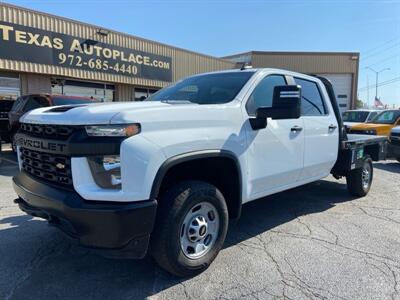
point(60, 166)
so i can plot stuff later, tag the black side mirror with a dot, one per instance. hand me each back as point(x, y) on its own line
point(285, 105)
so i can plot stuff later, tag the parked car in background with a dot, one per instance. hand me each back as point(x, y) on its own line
point(5, 107)
point(394, 146)
point(382, 124)
point(356, 117)
point(29, 102)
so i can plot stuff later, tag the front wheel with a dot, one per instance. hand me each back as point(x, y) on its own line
point(359, 180)
point(191, 227)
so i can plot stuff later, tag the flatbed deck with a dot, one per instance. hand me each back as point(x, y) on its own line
point(356, 140)
point(355, 148)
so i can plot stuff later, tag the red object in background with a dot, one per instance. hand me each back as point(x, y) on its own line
point(378, 103)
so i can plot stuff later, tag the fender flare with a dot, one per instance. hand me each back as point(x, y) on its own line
point(185, 157)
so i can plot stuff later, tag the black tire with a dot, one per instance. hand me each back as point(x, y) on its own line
point(174, 206)
point(358, 185)
point(398, 159)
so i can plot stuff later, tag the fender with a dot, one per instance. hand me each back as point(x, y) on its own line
point(185, 157)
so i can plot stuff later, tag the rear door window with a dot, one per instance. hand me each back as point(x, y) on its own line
point(312, 103)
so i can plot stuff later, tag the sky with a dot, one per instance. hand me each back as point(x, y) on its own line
point(222, 27)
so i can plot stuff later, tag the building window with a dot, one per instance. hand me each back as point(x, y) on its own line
point(141, 93)
point(99, 91)
point(10, 87)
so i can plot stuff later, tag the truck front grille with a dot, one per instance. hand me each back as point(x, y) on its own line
point(58, 132)
point(49, 167)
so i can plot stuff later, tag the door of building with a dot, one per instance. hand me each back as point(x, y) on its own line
point(342, 86)
point(99, 91)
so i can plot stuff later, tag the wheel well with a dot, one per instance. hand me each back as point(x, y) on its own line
point(223, 172)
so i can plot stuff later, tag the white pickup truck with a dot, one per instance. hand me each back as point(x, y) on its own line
point(168, 173)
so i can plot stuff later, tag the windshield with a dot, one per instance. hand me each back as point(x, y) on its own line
point(66, 101)
point(205, 89)
point(355, 116)
point(386, 117)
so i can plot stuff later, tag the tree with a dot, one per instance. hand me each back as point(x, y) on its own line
point(359, 104)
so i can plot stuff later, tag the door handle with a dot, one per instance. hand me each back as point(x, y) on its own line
point(296, 129)
point(332, 127)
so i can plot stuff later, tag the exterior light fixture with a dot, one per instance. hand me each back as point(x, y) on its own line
point(103, 32)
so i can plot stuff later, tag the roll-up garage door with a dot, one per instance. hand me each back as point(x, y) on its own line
point(342, 85)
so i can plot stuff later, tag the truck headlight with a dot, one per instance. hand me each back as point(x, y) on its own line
point(106, 171)
point(114, 130)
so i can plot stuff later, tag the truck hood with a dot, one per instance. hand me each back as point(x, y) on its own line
point(381, 129)
point(102, 113)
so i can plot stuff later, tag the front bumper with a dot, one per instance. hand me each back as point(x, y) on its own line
point(121, 230)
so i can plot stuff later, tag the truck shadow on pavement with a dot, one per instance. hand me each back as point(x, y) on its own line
point(393, 167)
point(268, 213)
point(38, 262)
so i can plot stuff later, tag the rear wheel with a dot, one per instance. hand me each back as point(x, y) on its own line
point(359, 180)
point(191, 227)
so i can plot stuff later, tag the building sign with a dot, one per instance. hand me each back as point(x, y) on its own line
point(22, 43)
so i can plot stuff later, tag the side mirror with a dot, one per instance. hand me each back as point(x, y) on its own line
point(285, 105)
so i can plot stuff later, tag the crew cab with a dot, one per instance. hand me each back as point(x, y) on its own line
point(167, 174)
point(394, 146)
point(381, 124)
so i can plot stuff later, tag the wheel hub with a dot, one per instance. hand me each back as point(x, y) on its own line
point(199, 230)
point(366, 174)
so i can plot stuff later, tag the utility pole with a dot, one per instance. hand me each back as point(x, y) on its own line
point(367, 91)
point(376, 78)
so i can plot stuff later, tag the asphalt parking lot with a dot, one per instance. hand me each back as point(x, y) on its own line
point(313, 242)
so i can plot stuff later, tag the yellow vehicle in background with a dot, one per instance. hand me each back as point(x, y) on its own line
point(382, 124)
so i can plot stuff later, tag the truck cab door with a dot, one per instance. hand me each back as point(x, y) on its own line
point(321, 131)
point(275, 153)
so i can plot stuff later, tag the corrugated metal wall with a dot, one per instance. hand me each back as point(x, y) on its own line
point(35, 84)
point(307, 63)
point(183, 62)
point(124, 92)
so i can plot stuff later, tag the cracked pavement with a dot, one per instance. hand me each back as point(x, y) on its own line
point(312, 242)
